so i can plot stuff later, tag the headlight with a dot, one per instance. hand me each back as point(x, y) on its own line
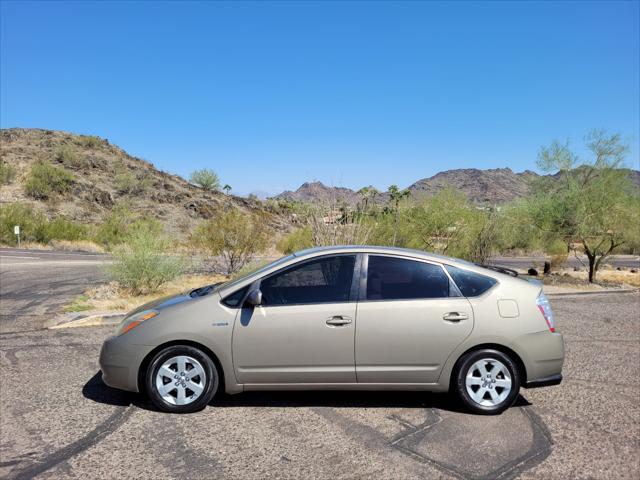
point(134, 320)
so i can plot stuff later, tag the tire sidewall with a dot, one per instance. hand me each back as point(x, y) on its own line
point(211, 372)
point(461, 387)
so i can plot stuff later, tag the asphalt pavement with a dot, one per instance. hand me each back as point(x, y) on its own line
point(58, 420)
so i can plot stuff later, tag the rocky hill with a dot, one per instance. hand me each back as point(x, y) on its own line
point(491, 186)
point(485, 187)
point(318, 192)
point(104, 175)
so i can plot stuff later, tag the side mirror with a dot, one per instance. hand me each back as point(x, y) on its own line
point(254, 298)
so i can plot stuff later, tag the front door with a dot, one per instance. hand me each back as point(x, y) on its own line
point(408, 322)
point(304, 330)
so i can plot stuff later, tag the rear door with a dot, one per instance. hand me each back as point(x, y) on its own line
point(409, 320)
point(304, 330)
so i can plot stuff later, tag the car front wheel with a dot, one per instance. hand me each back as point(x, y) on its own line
point(487, 381)
point(181, 379)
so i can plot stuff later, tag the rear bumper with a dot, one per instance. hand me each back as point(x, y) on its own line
point(545, 382)
point(543, 356)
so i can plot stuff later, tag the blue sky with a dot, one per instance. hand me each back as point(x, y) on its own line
point(271, 94)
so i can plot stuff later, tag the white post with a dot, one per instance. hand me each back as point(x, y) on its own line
point(16, 231)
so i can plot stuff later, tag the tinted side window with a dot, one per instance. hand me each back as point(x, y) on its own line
point(326, 280)
point(390, 278)
point(470, 284)
point(235, 298)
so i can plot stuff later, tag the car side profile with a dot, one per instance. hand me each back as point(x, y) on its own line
point(343, 318)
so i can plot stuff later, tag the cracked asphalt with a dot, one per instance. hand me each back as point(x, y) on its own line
point(58, 420)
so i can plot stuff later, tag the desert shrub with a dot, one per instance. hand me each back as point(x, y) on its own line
point(68, 156)
point(62, 229)
point(118, 224)
point(7, 173)
point(45, 181)
point(205, 178)
point(35, 227)
point(89, 141)
point(142, 264)
point(125, 181)
point(297, 240)
point(234, 236)
point(30, 222)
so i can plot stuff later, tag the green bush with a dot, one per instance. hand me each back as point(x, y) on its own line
point(297, 240)
point(142, 265)
point(7, 173)
point(45, 181)
point(119, 224)
point(89, 141)
point(35, 227)
point(67, 156)
point(127, 182)
point(29, 220)
point(63, 229)
point(233, 235)
point(205, 178)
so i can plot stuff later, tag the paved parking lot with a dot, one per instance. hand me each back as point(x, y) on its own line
point(57, 419)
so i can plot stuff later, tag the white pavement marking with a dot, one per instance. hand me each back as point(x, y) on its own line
point(16, 256)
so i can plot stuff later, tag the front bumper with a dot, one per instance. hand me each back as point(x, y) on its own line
point(120, 362)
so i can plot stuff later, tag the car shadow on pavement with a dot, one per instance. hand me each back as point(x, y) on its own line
point(95, 389)
point(347, 399)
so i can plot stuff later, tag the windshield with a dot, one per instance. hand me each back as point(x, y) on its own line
point(258, 269)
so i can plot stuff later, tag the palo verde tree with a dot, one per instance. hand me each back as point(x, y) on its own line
point(586, 202)
point(236, 237)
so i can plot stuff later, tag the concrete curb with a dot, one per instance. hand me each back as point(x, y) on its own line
point(95, 320)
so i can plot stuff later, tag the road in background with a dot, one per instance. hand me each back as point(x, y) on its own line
point(36, 284)
point(524, 263)
point(58, 420)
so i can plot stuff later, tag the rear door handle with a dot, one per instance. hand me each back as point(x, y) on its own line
point(455, 316)
point(338, 321)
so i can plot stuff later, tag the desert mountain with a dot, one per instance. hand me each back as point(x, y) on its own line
point(485, 187)
point(104, 175)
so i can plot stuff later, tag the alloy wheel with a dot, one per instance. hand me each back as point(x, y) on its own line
point(488, 382)
point(181, 380)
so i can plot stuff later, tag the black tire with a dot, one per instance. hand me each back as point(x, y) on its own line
point(460, 387)
point(210, 383)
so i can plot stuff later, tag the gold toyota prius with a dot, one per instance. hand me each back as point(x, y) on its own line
point(348, 317)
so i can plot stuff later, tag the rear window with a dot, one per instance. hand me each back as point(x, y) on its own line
point(470, 284)
point(391, 278)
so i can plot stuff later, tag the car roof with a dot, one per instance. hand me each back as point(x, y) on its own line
point(407, 252)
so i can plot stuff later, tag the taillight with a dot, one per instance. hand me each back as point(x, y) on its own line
point(545, 308)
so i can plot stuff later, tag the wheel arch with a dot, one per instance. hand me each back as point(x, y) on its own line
point(189, 343)
point(522, 370)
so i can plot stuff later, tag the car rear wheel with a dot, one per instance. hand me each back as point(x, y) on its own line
point(487, 381)
point(181, 379)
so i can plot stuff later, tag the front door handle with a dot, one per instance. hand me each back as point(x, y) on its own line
point(338, 321)
point(455, 316)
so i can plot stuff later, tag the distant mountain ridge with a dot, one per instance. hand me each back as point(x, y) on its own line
point(491, 186)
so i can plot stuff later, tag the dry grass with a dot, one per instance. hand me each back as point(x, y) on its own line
point(605, 276)
point(34, 246)
point(110, 297)
point(76, 246)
